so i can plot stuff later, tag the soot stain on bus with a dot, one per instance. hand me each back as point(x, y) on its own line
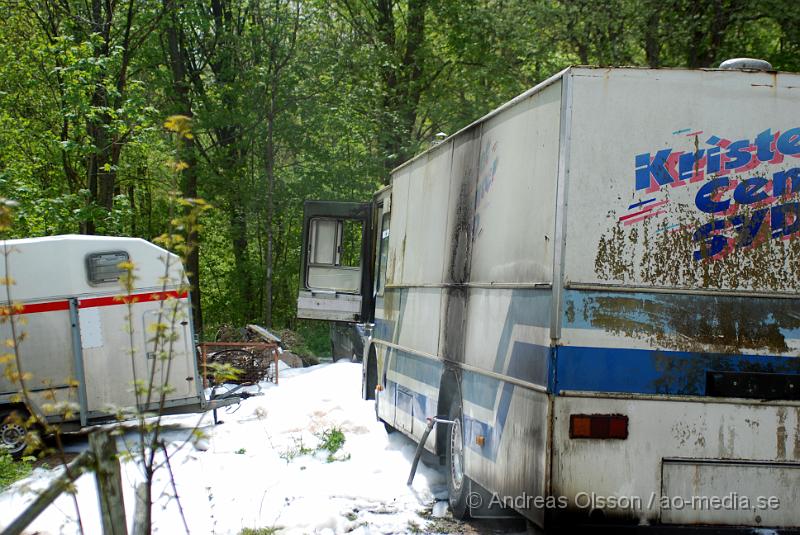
point(460, 253)
point(671, 255)
point(692, 322)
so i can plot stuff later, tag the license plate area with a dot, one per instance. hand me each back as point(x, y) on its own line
point(721, 492)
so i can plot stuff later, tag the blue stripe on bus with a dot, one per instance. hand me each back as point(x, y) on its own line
point(529, 362)
point(419, 406)
point(643, 371)
point(422, 405)
point(422, 369)
point(527, 307)
point(492, 434)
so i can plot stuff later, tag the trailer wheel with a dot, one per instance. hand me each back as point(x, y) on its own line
point(13, 434)
point(457, 481)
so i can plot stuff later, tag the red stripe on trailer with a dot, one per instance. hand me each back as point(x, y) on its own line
point(33, 308)
point(133, 298)
point(54, 306)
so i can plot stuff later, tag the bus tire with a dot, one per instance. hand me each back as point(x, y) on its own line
point(457, 482)
point(13, 434)
point(371, 376)
point(532, 529)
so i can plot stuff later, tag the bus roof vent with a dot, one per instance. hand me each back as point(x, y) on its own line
point(748, 64)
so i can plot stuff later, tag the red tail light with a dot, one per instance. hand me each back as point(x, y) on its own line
point(598, 426)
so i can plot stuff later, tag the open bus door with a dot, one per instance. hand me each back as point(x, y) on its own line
point(336, 272)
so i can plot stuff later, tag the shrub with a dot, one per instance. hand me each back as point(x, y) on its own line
point(11, 470)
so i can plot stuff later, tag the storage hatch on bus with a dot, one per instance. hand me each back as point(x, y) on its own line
point(335, 278)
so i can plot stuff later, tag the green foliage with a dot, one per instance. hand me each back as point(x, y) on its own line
point(292, 101)
point(11, 470)
point(222, 372)
point(314, 338)
point(332, 440)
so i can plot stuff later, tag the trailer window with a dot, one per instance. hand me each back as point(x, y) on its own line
point(103, 268)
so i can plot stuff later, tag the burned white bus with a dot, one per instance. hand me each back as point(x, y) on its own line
point(597, 283)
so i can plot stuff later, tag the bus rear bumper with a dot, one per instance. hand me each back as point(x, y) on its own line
point(684, 461)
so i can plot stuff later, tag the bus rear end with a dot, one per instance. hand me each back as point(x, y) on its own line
point(677, 379)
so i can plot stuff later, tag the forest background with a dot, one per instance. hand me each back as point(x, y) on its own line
point(292, 100)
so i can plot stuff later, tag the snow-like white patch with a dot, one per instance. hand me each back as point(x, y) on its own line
point(247, 472)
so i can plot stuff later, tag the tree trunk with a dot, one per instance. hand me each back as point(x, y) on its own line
point(401, 78)
point(181, 84)
point(240, 242)
point(652, 47)
point(270, 169)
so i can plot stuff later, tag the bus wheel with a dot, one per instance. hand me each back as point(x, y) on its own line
point(371, 375)
point(12, 433)
point(457, 482)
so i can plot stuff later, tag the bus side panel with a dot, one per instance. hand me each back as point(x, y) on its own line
point(514, 202)
point(648, 343)
point(417, 327)
point(424, 247)
point(409, 378)
point(460, 208)
point(505, 424)
point(505, 434)
point(508, 317)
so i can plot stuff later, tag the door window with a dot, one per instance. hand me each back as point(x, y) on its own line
point(335, 255)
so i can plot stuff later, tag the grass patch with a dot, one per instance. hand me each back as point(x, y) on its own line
point(298, 450)
point(332, 440)
point(11, 470)
point(413, 527)
point(259, 531)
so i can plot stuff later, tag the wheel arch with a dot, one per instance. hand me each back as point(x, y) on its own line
point(7, 407)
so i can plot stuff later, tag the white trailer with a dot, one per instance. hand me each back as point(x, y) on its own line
point(597, 282)
point(66, 296)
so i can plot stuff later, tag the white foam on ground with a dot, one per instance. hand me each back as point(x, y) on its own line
point(238, 479)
